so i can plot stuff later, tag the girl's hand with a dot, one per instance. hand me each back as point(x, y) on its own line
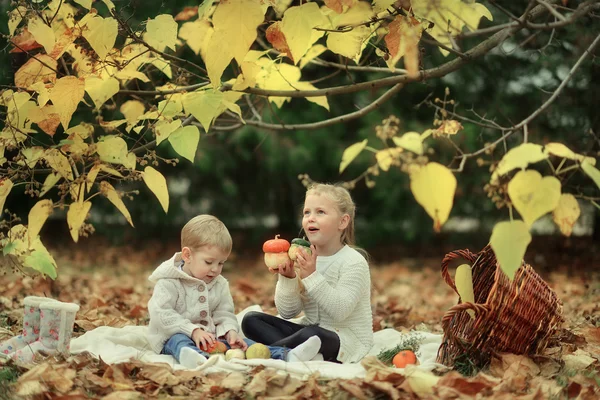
point(203, 339)
point(287, 269)
point(235, 341)
point(307, 262)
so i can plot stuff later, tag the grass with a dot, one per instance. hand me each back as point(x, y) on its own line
point(8, 375)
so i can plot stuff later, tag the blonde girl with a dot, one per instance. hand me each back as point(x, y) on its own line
point(337, 320)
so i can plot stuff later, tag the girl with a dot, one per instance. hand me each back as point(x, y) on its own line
point(337, 287)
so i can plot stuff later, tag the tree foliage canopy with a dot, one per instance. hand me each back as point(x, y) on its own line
point(95, 93)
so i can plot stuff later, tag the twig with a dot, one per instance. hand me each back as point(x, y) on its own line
point(163, 92)
point(552, 10)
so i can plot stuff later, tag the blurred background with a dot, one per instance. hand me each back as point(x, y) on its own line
point(249, 177)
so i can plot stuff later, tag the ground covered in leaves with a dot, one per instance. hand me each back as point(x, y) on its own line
point(113, 290)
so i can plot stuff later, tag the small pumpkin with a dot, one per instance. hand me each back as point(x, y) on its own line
point(276, 252)
point(404, 358)
point(296, 244)
point(216, 348)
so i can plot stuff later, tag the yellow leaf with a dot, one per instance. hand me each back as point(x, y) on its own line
point(351, 44)
point(101, 90)
point(559, 149)
point(434, 186)
point(381, 5)
point(66, 94)
point(566, 213)
point(77, 192)
point(217, 57)
point(5, 186)
point(312, 53)
point(204, 8)
point(42, 33)
point(43, 93)
point(519, 157)
point(532, 195)
point(591, 171)
point(59, 162)
point(185, 141)
point(403, 41)
point(319, 100)
point(101, 34)
point(509, 241)
point(197, 35)
point(157, 183)
point(169, 108)
point(109, 191)
point(464, 285)
point(110, 126)
point(46, 118)
point(421, 382)
point(38, 215)
point(15, 17)
point(449, 17)
point(109, 170)
point(204, 105)
point(386, 157)
point(109, 4)
point(91, 177)
point(132, 109)
point(410, 141)
point(76, 216)
point(113, 149)
point(32, 155)
point(3, 159)
point(87, 4)
point(41, 68)
point(49, 182)
point(164, 128)
point(351, 153)
point(161, 32)
point(41, 261)
point(298, 25)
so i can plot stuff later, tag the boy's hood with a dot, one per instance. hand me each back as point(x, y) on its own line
point(170, 270)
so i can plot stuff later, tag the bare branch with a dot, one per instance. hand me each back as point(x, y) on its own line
point(552, 10)
point(164, 92)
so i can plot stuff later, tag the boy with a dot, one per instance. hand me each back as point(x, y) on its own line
point(191, 306)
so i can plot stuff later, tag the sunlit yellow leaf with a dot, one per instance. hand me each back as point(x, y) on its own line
point(49, 182)
point(559, 149)
point(59, 163)
point(312, 53)
point(101, 34)
point(319, 100)
point(113, 149)
point(509, 241)
point(157, 183)
point(566, 213)
point(464, 285)
point(204, 105)
point(110, 126)
point(14, 18)
point(38, 215)
point(76, 216)
point(381, 5)
point(83, 130)
point(41, 68)
point(87, 4)
point(519, 157)
point(101, 90)
point(204, 8)
point(5, 186)
point(77, 192)
point(42, 33)
point(410, 141)
point(434, 186)
point(161, 32)
point(169, 108)
point(351, 44)
point(109, 191)
point(132, 109)
point(421, 382)
point(591, 171)
point(32, 155)
point(185, 141)
point(297, 26)
point(197, 35)
point(46, 118)
point(449, 17)
point(402, 40)
point(386, 157)
point(15, 242)
point(91, 177)
point(532, 195)
point(66, 94)
point(3, 159)
point(164, 128)
point(351, 153)
point(43, 93)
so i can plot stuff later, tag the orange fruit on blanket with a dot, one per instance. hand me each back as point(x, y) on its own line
point(215, 348)
point(404, 358)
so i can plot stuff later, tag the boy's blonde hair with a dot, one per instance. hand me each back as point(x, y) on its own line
point(341, 197)
point(206, 230)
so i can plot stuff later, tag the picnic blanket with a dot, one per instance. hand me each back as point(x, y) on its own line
point(116, 345)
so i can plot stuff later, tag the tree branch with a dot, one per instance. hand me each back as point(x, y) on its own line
point(552, 10)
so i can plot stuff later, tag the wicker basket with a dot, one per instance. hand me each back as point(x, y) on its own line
point(517, 317)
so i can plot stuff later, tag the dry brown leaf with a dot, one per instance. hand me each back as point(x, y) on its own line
point(124, 395)
point(234, 380)
point(453, 383)
point(354, 389)
point(159, 373)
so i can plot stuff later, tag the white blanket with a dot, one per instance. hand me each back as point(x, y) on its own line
point(116, 345)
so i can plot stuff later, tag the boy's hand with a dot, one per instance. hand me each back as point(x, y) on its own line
point(307, 262)
point(235, 341)
point(287, 269)
point(203, 339)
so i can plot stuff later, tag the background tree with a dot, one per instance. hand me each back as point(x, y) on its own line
point(98, 91)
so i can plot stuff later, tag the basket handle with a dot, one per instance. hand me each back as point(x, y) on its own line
point(452, 311)
point(466, 254)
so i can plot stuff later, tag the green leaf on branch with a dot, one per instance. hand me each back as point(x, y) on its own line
point(592, 172)
point(157, 183)
point(519, 157)
point(185, 141)
point(532, 195)
point(43, 262)
point(410, 141)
